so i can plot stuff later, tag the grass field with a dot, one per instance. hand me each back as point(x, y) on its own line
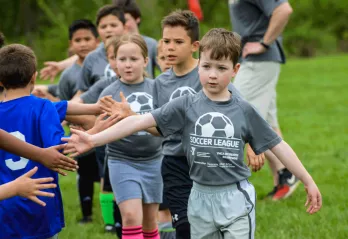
point(313, 113)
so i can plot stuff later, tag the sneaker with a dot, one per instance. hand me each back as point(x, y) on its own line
point(287, 185)
point(271, 193)
point(110, 228)
point(118, 229)
point(85, 220)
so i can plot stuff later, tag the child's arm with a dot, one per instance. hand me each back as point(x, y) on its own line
point(85, 142)
point(49, 157)
point(53, 68)
point(85, 121)
point(122, 109)
point(26, 187)
point(290, 160)
point(75, 108)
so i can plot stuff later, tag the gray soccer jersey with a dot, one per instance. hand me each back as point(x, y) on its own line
point(94, 67)
point(214, 135)
point(152, 53)
point(67, 87)
point(250, 19)
point(141, 145)
point(92, 95)
point(169, 86)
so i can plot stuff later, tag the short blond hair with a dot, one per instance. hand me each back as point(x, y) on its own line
point(222, 43)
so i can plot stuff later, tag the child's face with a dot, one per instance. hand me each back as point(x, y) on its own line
point(130, 63)
point(110, 26)
point(162, 61)
point(131, 25)
point(83, 42)
point(215, 75)
point(111, 58)
point(177, 45)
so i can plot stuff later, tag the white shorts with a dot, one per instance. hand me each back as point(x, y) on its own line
point(257, 82)
point(222, 212)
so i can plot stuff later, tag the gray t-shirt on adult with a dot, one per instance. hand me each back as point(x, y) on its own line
point(141, 145)
point(92, 95)
point(67, 87)
point(168, 87)
point(250, 19)
point(214, 135)
point(152, 53)
point(94, 67)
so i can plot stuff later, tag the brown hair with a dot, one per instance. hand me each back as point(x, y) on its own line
point(112, 41)
point(17, 66)
point(110, 10)
point(132, 38)
point(222, 43)
point(185, 19)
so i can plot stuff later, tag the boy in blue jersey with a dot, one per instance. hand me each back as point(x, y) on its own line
point(35, 121)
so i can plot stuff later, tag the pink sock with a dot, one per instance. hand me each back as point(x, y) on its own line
point(152, 234)
point(132, 232)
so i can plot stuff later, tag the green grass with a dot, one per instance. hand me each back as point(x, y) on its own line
point(313, 115)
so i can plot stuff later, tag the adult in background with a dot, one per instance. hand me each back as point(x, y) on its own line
point(260, 24)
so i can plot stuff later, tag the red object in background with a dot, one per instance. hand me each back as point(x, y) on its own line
point(195, 7)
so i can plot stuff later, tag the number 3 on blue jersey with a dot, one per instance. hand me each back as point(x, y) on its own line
point(22, 163)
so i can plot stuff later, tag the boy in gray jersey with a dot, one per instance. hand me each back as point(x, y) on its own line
point(132, 15)
point(260, 24)
point(215, 125)
point(110, 22)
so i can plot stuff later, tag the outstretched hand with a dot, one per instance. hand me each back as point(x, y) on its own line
point(56, 161)
point(79, 142)
point(102, 123)
point(121, 109)
point(30, 188)
point(50, 71)
point(314, 199)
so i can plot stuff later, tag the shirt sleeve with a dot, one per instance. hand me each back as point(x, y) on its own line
point(268, 6)
point(170, 118)
point(64, 87)
point(84, 80)
point(51, 130)
point(61, 108)
point(260, 134)
point(92, 94)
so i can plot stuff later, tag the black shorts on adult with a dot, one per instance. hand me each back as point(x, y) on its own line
point(177, 187)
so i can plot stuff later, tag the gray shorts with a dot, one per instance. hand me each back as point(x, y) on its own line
point(136, 179)
point(257, 82)
point(222, 211)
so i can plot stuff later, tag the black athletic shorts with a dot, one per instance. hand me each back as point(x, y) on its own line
point(177, 187)
point(103, 168)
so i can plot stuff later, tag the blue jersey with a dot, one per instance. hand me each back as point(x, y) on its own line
point(37, 122)
point(61, 107)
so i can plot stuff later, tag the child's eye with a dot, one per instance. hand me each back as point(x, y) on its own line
point(166, 41)
point(222, 68)
point(114, 25)
point(206, 66)
point(134, 59)
point(179, 42)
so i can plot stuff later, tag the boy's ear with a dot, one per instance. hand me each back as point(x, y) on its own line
point(195, 46)
point(138, 20)
point(236, 69)
point(1, 85)
point(33, 78)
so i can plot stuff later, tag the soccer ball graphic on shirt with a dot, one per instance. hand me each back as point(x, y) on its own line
point(214, 124)
point(108, 72)
point(184, 90)
point(140, 102)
